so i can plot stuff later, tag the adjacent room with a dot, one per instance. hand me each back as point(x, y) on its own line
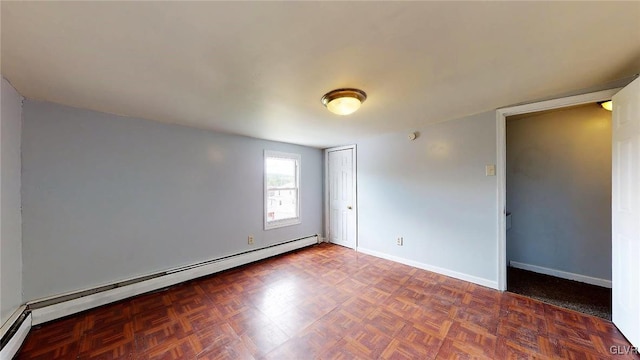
point(317, 180)
point(559, 206)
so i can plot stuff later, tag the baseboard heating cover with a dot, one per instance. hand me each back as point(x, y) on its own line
point(14, 331)
point(52, 308)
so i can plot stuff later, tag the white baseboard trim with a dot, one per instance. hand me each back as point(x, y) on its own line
point(561, 274)
point(454, 274)
point(62, 309)
point(11, 349)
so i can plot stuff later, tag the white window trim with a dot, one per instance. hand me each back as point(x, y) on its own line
point(284, 222)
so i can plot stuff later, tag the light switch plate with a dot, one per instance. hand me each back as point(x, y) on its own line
point(490, 170)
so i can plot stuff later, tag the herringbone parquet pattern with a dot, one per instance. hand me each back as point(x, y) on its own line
point(326, 302)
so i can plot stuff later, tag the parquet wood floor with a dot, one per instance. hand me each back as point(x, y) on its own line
point(326, 302)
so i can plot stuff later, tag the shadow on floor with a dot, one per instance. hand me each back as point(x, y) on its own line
point(569, 294)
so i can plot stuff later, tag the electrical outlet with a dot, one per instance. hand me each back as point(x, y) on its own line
point(400, 241)
point(250, 240)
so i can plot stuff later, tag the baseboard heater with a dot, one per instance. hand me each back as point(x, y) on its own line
point(14, 331)
point(51, 308)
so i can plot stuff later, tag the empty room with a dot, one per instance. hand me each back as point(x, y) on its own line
point(316, 180)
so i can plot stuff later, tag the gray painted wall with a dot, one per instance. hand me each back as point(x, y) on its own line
point(559, 190)
point(107, 198)
point(10, 219)
point(432, 191)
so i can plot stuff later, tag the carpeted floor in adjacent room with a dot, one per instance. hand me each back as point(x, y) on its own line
point(569, 294)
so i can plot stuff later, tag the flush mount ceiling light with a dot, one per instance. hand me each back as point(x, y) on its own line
point(344, 101)
point(607, 105)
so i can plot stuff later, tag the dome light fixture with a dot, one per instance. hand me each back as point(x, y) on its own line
point(607, 105)
point(344, 101)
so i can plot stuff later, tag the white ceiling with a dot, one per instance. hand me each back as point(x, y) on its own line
point(260, 68)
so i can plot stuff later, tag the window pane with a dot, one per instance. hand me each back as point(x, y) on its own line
point(281, 173)
point(282, 190)
point(282, 204)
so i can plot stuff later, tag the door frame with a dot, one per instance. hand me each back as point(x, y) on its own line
point(501, 166)
point(327, 217)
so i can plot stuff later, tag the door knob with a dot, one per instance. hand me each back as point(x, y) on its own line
point(349, 207)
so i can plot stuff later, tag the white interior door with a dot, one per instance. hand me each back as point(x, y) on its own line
point(342, 192)
point(626, 211)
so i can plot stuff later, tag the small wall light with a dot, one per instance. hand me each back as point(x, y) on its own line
point(344, 101)
point(607, 105)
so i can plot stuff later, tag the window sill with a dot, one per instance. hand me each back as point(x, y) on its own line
point(281, 223)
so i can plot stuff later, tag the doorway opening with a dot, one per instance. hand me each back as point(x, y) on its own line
point(501, 117)
point(558, 203)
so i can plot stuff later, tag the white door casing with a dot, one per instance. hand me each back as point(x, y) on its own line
point(626, 212)
point(341, 191)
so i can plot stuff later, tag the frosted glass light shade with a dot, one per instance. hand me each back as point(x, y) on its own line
point(344, 101)
point(344, 106)
point(607, 105)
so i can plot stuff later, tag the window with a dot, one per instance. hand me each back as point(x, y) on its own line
point(281, 189)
